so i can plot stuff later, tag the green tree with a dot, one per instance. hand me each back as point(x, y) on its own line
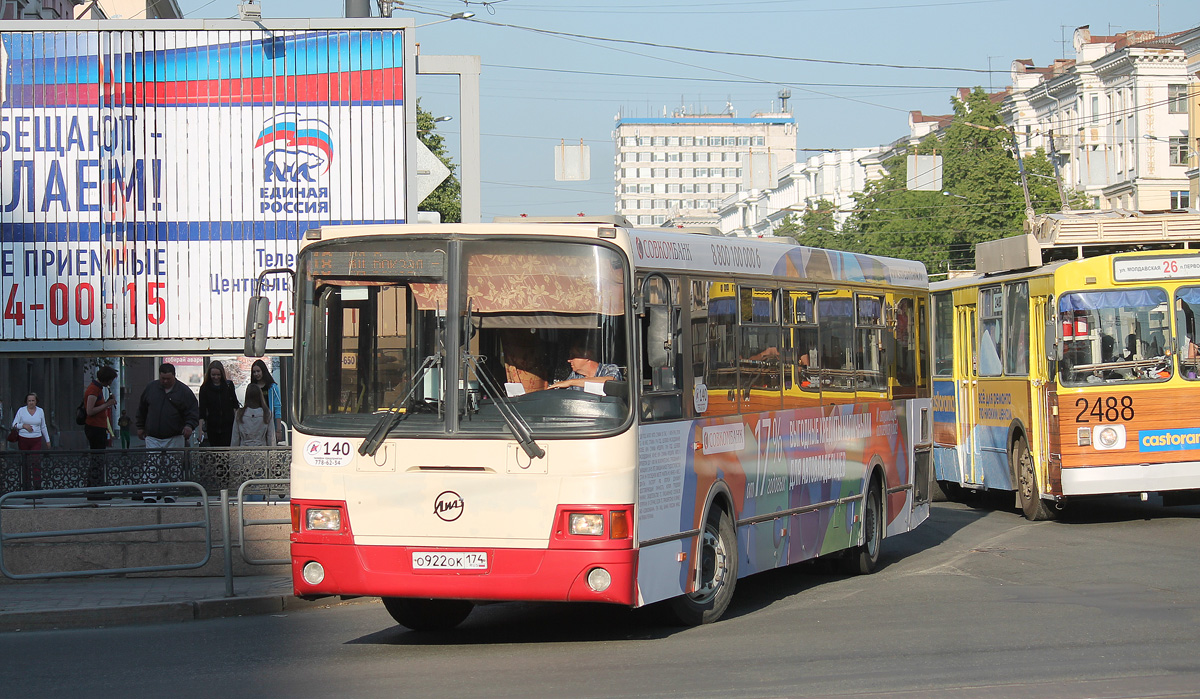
point(447, 198)
point(981, 199)
point(816, 227)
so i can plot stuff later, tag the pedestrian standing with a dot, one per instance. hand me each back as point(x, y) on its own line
point(166, 417)
point(97, 426)
point(32, 434)
point(253, 425)
point(123, 423)
point(218, 403)
point(260, 376)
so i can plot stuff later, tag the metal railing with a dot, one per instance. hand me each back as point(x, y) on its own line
point(204, 524)
point(277, 486)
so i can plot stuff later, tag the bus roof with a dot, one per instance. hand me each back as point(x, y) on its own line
point(1134, 267)
point(669, 249)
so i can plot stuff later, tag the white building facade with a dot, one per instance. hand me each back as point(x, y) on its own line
point(1114, 118)
point(685, 165)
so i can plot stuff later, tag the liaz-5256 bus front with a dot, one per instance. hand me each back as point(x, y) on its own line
point(465, 423)
point(414, 472)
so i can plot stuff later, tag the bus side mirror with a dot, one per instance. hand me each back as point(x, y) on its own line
point(257, 317)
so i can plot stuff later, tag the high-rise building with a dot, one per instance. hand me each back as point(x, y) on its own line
point(687, 163)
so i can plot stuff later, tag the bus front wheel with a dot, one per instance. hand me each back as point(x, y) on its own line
point(861, 560)
point(428, 614)
point(718, 573)
point(1032, 504)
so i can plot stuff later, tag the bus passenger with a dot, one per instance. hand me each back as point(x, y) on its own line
point(586, 369)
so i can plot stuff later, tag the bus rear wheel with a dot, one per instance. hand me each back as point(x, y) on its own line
point(861, 560)
point(1032, 504)
point(428, 614)
point(718, 573)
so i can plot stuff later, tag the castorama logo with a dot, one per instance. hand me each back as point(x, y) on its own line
point(297, 149)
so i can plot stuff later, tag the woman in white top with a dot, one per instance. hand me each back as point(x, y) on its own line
point(30, 422)
point(253, 424)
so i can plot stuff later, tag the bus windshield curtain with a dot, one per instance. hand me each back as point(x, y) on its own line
point(1094, 300)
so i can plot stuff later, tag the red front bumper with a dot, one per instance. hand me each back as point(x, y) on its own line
point(544, 575)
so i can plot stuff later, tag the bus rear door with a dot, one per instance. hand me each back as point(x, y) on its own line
point(967, 372)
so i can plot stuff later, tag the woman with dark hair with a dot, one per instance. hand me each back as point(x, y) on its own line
point(97, 427)
point(218, 402)
point(261, 376)
point(252, 424)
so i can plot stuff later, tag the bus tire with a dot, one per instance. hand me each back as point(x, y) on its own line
point(1032, 504)
point(861, 560)
point(718, 573)
point(428, 614)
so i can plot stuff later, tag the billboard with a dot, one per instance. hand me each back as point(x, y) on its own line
point(147, 176)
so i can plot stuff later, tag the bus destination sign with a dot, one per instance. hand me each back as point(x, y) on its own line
point(391, 263)
point(1137, 269)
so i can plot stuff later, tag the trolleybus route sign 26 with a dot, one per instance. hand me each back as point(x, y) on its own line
point(1131, 269)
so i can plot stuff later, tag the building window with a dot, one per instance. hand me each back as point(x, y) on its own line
point(1177, 99)
point(673, 173)
point(672, 189)
point(760, 141)
point(659, 220)
point(659, 204)
point(701, 172)
point(1181, 199)
point(685, 140)
point(702, 157)
point(645, 220)
point(672, 157)
point(672, 141)
point(687, 188)
point(731, 140)
point(629, 189)
point(659, 141)
point(659, 172)
point(629, 141)
point(643, 157)
point(743, 140)
point(1095, 109)
point(1179, 150)
point(687, 172)
point(659, 157)
point(714, 140)
point(688, 157)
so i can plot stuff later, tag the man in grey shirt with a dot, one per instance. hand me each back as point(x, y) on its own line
point(586, 369)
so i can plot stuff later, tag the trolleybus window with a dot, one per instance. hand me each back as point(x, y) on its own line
point(943, 335)
point(1016, 327)
point(800, 355)
point(836, 321)
point(1187, 303)
point(1115, 336)
point(869, 350)
point(720, 370)
point(991, 338)
point(759, 351)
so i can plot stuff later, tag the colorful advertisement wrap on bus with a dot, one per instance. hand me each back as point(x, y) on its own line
point(147, 177)
point(771, 463)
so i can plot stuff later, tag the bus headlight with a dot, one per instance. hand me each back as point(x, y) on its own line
point(587, 524)
point(1108, 437)
point(323, 519)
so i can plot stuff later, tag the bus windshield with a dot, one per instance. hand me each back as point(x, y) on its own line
point(1116, 336)
point(541, 336)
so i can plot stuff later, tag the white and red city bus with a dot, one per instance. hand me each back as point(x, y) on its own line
point(757, 404)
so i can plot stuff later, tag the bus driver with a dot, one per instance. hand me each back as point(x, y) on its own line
point(586, 369)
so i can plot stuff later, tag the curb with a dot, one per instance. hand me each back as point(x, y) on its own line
point(161, 612)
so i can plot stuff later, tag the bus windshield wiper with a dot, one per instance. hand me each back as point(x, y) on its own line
point(392, 416)
point(516, 423)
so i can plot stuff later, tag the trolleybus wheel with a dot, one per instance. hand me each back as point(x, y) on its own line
point(428, 614)
point(718, 573)
point(1032, 504)
point(862, 560)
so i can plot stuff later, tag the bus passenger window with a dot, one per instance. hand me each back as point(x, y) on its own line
point(720, 370)
point(836, 322)
point(905, 349)
point(869, 350)
point(801, 387)
point(759, 358)
point(1187, 301)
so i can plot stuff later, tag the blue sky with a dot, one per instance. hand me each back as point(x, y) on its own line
point(538, 89)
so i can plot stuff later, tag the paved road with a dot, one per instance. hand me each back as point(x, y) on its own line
point(977, 602)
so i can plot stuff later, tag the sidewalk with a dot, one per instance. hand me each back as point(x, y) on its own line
point(111, 601)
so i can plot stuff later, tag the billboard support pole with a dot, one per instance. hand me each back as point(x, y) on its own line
point(467, 70)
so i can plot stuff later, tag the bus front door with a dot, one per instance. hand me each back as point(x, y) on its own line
point(966, 389)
